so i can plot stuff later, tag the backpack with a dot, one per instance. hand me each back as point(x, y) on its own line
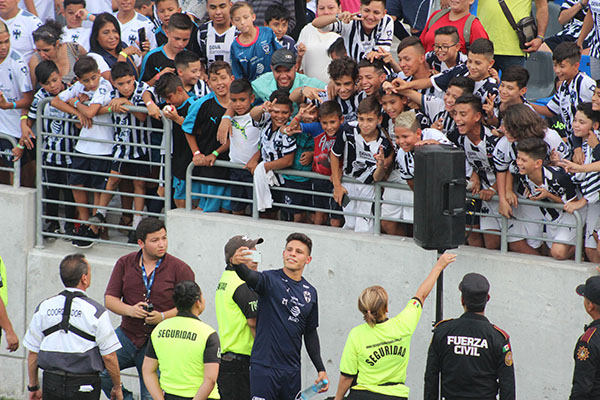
point(466, 28)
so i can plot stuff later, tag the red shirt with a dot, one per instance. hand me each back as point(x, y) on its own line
point(477, 31)
point(126, 283)
point(321, 159)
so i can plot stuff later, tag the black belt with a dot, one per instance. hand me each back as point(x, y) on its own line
point(229, 356)
point(70, 374)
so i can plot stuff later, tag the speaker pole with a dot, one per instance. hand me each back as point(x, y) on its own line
point(439, 299)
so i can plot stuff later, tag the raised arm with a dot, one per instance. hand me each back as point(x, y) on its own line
point(239, 260)
point(441, 264)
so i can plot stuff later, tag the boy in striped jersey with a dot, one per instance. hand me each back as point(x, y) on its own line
point(547, 184)
point(127, 92)
point(576, 88)
point(585, 125)
point(446, 50)
point(363, 34)
point(214, 38)
point(190, 70)
point(48, 76)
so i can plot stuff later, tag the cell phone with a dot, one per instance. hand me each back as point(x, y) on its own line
point(345, 200)
point(141, 35)
point(149, 307)
point(255, 255)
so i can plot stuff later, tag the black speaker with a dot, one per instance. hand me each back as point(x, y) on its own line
point(439, 197)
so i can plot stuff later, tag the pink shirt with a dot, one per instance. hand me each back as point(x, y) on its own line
point(428, 36)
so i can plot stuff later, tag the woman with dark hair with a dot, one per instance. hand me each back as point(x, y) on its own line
point(185, 349)
point(106, 46)
point(49, 47)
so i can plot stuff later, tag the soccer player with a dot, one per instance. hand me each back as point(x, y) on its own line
point(287, 313)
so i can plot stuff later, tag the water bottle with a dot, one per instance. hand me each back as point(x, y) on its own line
point(312, 390)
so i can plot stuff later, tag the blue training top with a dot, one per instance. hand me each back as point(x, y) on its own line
point(287, 309)
point(252, 60)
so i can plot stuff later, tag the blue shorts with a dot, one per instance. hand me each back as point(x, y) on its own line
point(273, 384)
point(206, 204)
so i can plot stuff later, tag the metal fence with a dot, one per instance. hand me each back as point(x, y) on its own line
point(43, 167)
point(378, 201)
point(15, 170)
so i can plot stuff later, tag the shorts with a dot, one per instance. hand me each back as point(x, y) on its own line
point(355, 223)
point(293, 198)
point(209, 204)
point(273, 384)
point(6, 157)
point(562, 233)
point(526, 228)
point(395, 210)
point(80, 163)
point(325, 202)
point(591, 217)
point(490, 223)
point(132, 169)
point(555, 40)
point(239, 191)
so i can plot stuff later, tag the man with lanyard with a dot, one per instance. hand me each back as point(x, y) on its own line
point(71, 338)
point(140, 289)
point(287, 311)
point(236, 308)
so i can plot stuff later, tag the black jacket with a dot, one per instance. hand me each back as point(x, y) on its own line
point(586, 377)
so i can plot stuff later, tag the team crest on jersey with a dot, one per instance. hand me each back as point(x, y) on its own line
point(17, 33)
point(389, 33)
point(583, 353)
point(75, 37)
point(266, 48)
point(307, 296)
point(24, 69)
point(132, 38)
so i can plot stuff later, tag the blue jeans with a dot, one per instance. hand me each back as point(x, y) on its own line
point(129, 356)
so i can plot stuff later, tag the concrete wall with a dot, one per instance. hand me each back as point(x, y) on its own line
point(532, 298)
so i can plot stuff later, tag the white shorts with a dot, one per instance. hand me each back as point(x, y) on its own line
point(394, 210)
point(591, 218)
point(490, 223)
point(359, 224)
point(564, 233)
point(526, 228)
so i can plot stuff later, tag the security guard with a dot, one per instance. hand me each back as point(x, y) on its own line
point(586, 377)
point(186, 349)
point(473, 356)
point(236, 307)
point(376, 353)
point(71, 338)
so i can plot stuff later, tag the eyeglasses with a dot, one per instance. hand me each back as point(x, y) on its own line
point(442, 47)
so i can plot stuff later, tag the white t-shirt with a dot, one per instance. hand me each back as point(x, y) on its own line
point(102, 64)
point(99, 6)
point(245, 137)
point(21, 29)
point(79, 35)
point(316, 60)
point(44, 8)
point(129, 30)
point(14, 81)
point(101, 96)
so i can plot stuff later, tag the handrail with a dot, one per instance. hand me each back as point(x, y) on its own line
point(378, 201)
point(16, 168)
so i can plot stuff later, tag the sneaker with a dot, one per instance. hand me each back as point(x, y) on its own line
point(132, 237)
point(69, 231)
point(53, 227)
point(97, 219)
point(85, 232)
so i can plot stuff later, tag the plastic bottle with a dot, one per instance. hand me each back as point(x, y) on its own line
point(312, 390)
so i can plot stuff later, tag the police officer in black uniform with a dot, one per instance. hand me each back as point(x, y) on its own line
point(586, 376)
point(473, 356)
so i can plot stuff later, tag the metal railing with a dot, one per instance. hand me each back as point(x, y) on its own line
point(42, 151)
point(378, 201)
point(16, 168)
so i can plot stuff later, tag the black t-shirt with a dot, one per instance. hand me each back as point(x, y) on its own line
point(205, 115)
point(154, 62)
point(182, 155)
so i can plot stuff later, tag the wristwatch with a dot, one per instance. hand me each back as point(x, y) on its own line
point(33, 388)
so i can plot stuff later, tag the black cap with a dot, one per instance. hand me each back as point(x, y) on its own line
point(590, 290)
point(283, 58)
point(239, 241)
point(475, 288)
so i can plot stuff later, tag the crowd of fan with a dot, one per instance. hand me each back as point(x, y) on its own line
point(336, 102)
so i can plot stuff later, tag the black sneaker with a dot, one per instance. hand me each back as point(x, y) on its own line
point(53, 227)
point(69, 231)
point(132, 237)
point(85, 232)
point(97, 219)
